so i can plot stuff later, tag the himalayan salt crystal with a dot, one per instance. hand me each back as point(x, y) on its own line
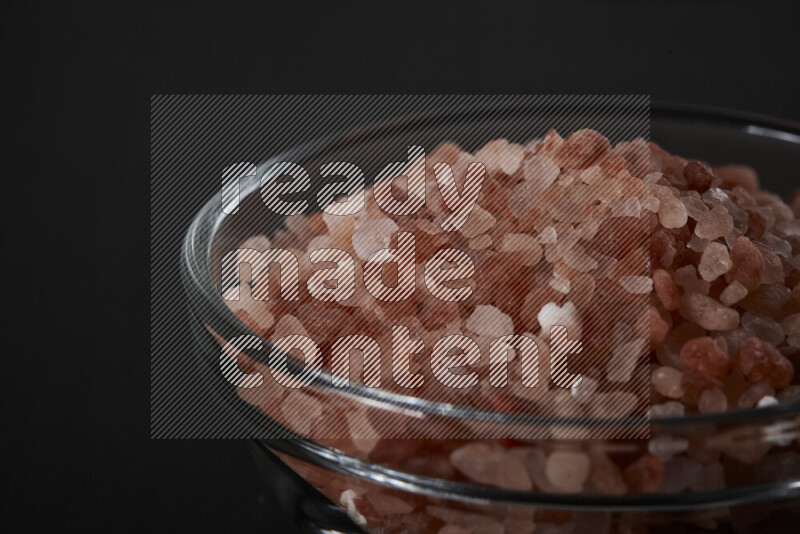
point(659, 328)
point(651, 204)
point(712, 478)
point(753, 395)
point(577, 259)
point(762, 363)
point(453, 529)
point(698, 244)
point(667, 382)
point(527, 244)
point(666, 290)
point(733, 293)
point(581, 149)
point(624, 359)
point(738, 175)
point(712, 401)
point(694, 384)
point(568, 470)
point(687, 278)
point(781, 247)
point(614, 405)
point(637, 285)
point(479, 222)
point(791, 324)
point(789, 228)
point(480, 242)
point(645, 474)
point(748, 264)
point(584, 392)
point(763, 328)
point(540, 170)
point(493, 466)
point(704, 356)
point(387, 504)
point(300, 411)
point(681, 474)
point(714, 262)
point(627, 207)
point(606, 475)
point(254, 313)
point(592, 176)
point(790, 394)
point(708, 312)
point(489, 321)
point(348, 500)
point(372, 235)
point(668, 409)
point(767, 401)
point(662, 248)
point(567, 316)
point(718, 197)
point(547, 236)
point(562, 285)
point(671, 212)
point(699, 176)
point(510, 158)
point(717, 223)
point(695, 207)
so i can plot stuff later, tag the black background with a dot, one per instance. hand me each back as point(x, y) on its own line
point(78, 79)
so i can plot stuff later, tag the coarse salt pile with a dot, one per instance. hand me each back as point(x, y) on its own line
point(710, 289)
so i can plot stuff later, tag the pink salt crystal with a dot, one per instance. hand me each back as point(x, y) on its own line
point(479, 222)
point(651, 204)
point(790, 394)
point(301, 411)
point(547, 236)
point(789, 228)
point(704, 356)
point(524, 243)
point(738, 175)
point(712, 478)
point(733, 293)
point(671, 212)
point(791, 324)
point(387, 504)
point(566, 315)
point(708, 313)
point(372, 235)
point(541, 170)
point(614, 405)
point(254, 313)
point(680, 474)
point(714, 262)
point(627, 207)
point(687, 278)
point(763, 363)
point(489, 321)
point(748, 264)
point(453, 529)
point(666, 289)
point(712, 401)
point(480, 242)
point(699, 176)
point(668, 409)
point(488, 465)
point(717, 223)
point(510, 158)
point(606, 475)
point(750, 397)
point(645, 474)
point(762, 327)
point(577, 259)
point(695, 207)
point(624, 359)
point(667, 446)
point(636, 284)
point(697, 244)
point(667, 382)
point(568, 470)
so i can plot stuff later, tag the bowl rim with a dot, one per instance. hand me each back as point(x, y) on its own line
point(199, 286)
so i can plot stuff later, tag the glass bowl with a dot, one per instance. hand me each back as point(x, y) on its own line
point(743, 468)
